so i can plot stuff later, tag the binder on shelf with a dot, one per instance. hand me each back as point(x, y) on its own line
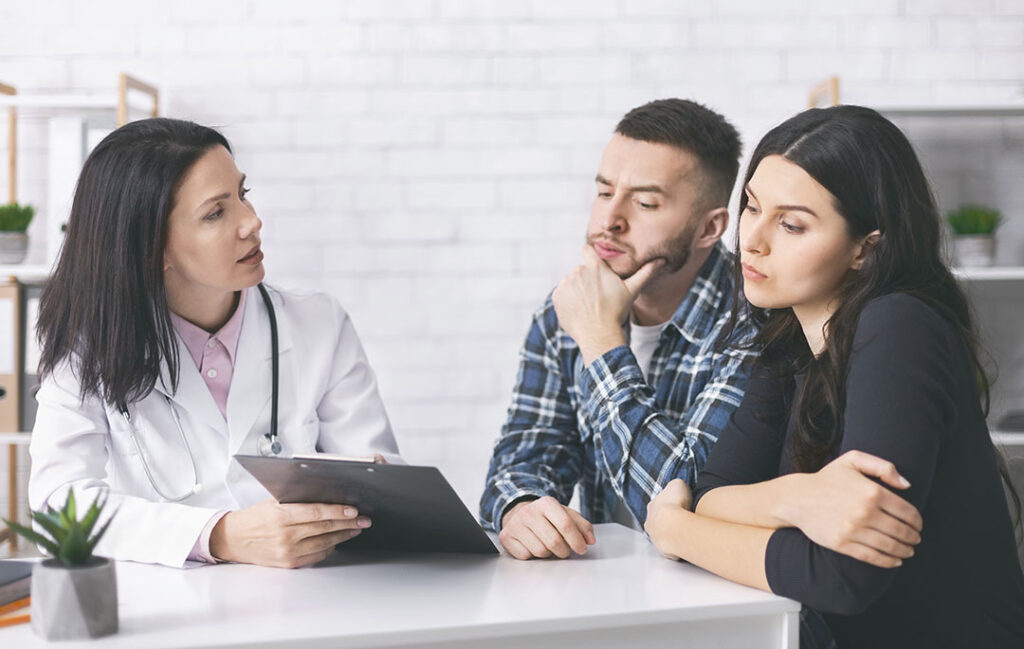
point(30, 294)
point(10, 353)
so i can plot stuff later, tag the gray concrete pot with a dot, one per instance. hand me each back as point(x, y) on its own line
point(13, 247)
point(74, 602)
point(972, 250)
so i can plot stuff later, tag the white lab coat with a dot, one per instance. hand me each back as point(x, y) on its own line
point(328, 402)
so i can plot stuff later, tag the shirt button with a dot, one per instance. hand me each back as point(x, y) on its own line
point(211, 343)
point(211, 373)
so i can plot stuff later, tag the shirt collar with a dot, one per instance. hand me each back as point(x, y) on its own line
point(196, 338)
point(710, 295)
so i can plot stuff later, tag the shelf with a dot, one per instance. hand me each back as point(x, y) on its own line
point(21, 439)
point(1008, 439)
point(31, 271)
point(989, 273)
point(1007, 109)
point(71, 102)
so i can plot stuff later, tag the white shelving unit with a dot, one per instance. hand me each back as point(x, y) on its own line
point(997, 292)
point(71, 117)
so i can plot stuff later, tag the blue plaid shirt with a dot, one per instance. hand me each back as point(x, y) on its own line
point(606, 428)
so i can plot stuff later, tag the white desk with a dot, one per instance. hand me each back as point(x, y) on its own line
point(621, 594)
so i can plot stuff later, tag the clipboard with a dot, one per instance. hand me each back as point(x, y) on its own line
point(413, 508)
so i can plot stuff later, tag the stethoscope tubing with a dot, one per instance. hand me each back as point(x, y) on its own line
point(269, 444)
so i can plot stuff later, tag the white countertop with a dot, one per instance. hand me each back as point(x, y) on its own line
point(392, 599)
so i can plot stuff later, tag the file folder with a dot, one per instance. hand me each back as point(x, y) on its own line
point(10, 353)
point(30, 294)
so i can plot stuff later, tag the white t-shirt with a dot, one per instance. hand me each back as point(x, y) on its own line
point(642, 341)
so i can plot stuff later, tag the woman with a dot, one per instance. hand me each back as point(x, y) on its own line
point(158, 361)
point(868, 368)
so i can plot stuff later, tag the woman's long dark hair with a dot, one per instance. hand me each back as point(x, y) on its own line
point(104, 310)
point(877, 182)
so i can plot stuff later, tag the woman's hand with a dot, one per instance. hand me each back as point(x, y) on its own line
point(284, 536)
point(841, 508)
point(663, 510)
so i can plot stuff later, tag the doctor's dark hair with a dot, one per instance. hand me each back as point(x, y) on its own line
point(698, 130)
point(877, 183)
point(104, 310)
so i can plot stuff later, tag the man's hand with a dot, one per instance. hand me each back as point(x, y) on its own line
point(543, 528)
point(676, 497)
point(592, 302)
point(841, 508)
point(284, 536)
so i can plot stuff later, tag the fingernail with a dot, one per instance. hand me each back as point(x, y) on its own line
point(364, 522)
point(350, 512)
point(904, 482)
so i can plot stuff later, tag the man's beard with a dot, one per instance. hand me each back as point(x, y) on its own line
point(675, 252)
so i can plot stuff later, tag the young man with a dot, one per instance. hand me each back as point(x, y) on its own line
point(621, 386)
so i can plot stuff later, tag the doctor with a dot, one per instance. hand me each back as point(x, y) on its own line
point(158, 363)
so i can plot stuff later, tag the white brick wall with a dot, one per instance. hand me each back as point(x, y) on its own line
point(430, 161)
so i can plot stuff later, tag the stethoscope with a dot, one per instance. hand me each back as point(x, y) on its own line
point(268, 445)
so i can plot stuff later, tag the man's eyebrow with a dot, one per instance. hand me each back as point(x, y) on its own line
point(784, 208)
point(651, 189)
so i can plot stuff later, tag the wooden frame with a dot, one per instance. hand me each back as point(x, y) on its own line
point(12, 143)
point(828, 88)
point(12, 196)
point(126, 83)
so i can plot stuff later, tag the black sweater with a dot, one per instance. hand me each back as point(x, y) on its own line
point(910, 398)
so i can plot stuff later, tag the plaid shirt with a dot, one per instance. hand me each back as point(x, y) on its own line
point(604, 427)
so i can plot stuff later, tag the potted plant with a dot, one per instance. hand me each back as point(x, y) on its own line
point(74, 594)
point(14, 220)
point(974, 241)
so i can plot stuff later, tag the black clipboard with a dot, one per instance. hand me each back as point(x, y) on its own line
point(413, 508)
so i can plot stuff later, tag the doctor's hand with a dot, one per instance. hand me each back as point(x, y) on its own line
point(592, 302)
point(544, 527)
point(284, 535)
point(843, 507)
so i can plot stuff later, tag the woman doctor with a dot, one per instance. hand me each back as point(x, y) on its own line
point(158, 363)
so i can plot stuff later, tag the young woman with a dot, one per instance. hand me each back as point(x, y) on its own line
point(869, 368)
point(164, 356)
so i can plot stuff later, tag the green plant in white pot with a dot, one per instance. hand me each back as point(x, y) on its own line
point(14, 221)
point(74, 593)
point(974, 240)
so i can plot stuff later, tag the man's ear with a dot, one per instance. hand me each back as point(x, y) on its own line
point(712, 227)
point(862, 249)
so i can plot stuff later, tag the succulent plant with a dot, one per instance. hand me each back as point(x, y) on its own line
point(974, 219)
point(15, 217)
point(70, 540)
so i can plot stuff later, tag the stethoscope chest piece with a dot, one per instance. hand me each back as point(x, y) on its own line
point(268, 447)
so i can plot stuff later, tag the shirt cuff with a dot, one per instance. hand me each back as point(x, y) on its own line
point(201, 549)
point(607, 375)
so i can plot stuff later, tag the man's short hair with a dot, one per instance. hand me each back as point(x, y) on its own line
point(696, 129)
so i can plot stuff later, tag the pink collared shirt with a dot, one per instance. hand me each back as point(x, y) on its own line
point(214, 356)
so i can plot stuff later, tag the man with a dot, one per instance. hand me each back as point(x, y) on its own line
point(621, 408)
